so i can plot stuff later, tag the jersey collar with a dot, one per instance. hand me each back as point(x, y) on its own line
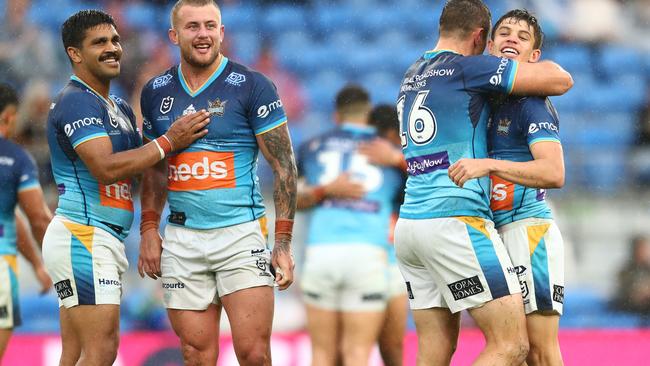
point(213, 77)
point(354, 127)
point(433, 53)
point(108, 102)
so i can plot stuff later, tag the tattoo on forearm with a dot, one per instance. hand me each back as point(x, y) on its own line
point(281, 159)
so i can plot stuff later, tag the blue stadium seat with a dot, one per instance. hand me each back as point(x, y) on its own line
point(574, 57)
point(340, 17)
point(620, 59)
point(239, 18)
point(140, 15)
point(383, 87)
point(322, 88)
point(281, 18)
point(245, 46)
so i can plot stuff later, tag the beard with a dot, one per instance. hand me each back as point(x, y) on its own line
point(202, 63)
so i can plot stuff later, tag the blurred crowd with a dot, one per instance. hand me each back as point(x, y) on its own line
point(310, 48)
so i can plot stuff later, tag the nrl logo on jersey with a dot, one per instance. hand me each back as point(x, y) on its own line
point(166, 104)
point(189, 110)
point(161, 81)
point(217, 108)
point(504, 127)
point(235, 79)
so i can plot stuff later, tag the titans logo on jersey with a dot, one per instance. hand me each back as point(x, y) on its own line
point(17, 174)
point(77, 115)
point(516, 125)
point(443, 113)
point(213, 183)
point(364, 221)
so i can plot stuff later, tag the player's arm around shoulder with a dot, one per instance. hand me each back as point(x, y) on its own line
point(541, 78)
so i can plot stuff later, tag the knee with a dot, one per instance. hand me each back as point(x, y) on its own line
point(256, 354)
point(195, 353)
point(103, 352)
point(517, 350)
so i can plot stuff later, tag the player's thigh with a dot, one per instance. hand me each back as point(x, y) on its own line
point(9, 302)
point(395, 319)
point(5, 334)
point(502, 320)
point(198, 329)
point(324, 327)
point(95, 325)
point(361, 329)
point(250, 312)
point(543, 328)
point(537, 252)
point(70, 341)
point(86, 263)
point(436, 326)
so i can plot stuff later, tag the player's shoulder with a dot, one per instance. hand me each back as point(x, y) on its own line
point(13, 150)
point(241, 75)
point(314, 143)
point(75, 95)
point(164, 80)
point(539, 105)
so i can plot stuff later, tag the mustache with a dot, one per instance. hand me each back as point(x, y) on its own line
point(108, 55)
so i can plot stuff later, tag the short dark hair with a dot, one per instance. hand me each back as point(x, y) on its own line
point(384, 118)
point(181, 3)
point(73, 30)
point(352, 98)
point(529, 18)
point(461, 17)
point(8, 96)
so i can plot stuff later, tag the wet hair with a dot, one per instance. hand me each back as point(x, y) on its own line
point(523, 15)
point(384, 118)
point(352, 99)
point(461, 17)
point(8, 96)
point(180, 3)
point(73, 30)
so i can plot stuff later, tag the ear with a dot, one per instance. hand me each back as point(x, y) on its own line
point(223, 32)
point(173, 36)
point(75, 54)
point(535, 55)
point(479, 38)
point(490, 46)
point(337, 118)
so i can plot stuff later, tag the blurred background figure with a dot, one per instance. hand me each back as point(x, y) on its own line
point(633, 293)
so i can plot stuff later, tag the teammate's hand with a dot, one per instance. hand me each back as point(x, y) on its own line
point(188, 129)
point(344, 187)
point(466, 169)
point(282, 262)
point(43, 279)
point(150, 252)
point(381, 152)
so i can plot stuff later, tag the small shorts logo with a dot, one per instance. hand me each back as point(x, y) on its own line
point(173, 285)
point(376, 296)
point(262, 264)
point(63, 289)
point(257, 252)
point(4, 312)
point(466, 287)
point(409, 290)
point(235, 79)
point(558, 294)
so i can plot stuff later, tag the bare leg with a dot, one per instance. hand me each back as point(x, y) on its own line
point(5, 334)
point(97, 328)
point(439, 327)
point(70, 341)
point(198, 331)
point(324, 330)
point(391, 338)
point(360, 332)
point(543, 336)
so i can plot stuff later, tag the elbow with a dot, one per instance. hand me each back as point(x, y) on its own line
point(564, 85)
point(556, 181)
point(106, 177)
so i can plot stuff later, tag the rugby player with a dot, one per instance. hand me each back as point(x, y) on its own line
point(448, 251)
point(215, 250)
point(96, 149)
point(525, 160)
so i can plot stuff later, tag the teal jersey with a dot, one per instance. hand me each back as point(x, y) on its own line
point(514, 127)
point(443, 109)
point(346, 221)
point(77, 115)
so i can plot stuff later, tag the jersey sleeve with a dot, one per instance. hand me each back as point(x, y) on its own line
point(266, 111)
point(540, 121)
point(489, 74)
point(82, 118)
point(27, 173)
point(145, 107)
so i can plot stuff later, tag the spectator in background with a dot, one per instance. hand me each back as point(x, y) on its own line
point(26, 52)
point(289, 87)
point(634, 279)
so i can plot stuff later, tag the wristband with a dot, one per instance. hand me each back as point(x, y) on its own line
point(160, 150)
point(319, 193)
point(165, 144)
point(150, 219)
point(283, 228)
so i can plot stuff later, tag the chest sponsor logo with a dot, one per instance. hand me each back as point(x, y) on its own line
point(466, 287)
point(264, 110)
point(427, 163)
point(161, 81)
point(503, 192)
point(201, 170)
point(63, 289)
point(6, 160)
point(116, 195)
point(235, 79)
point(189, 110)
point(70, 128)
point(217, 108)
point(503, 128)
point(166, 104)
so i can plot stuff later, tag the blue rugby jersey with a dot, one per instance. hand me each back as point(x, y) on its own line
point(17, 174)
point(344, 221)
point(443, 113)
point(514, 127)
point(213, 183)
point(77, 115)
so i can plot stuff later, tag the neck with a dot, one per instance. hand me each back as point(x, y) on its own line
point(355, 120)
point(100, 87)
point(195, 76)
point(460, 47)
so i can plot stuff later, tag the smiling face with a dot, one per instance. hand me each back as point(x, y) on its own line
point(198, 32)
point(514, 39)
point(100, 52)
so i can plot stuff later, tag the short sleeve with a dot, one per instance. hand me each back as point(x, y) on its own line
point(145, 101)
point(82, 118)
point(26, 172)
point(266, 110)
point(489, 73)
point(541, 121)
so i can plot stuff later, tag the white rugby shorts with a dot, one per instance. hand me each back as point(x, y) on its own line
point(9, 304)
point(200, 266)
point(536, 249)
point(456, 262)
point(86, 263)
